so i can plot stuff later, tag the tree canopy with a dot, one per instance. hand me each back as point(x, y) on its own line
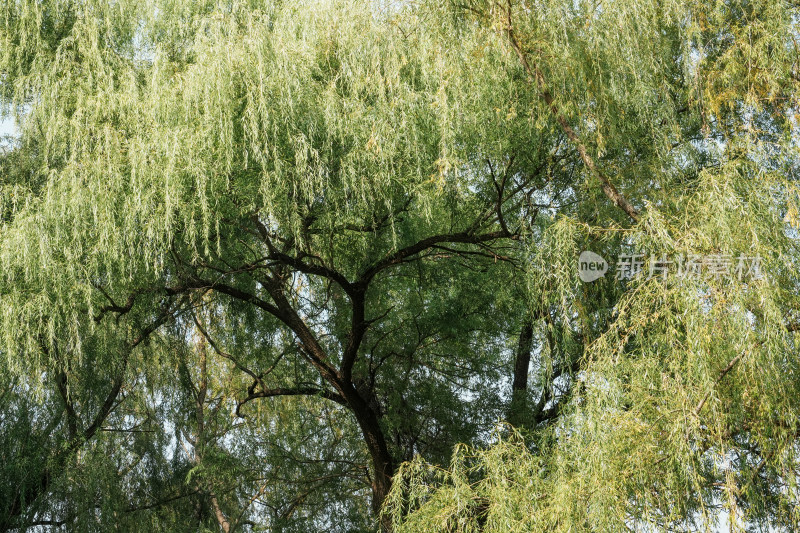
point(279, 266)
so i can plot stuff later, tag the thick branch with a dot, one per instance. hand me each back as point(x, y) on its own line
point(223, 288)
point(357, 330)
point(400, 255)
point(519, 386)
point(291, 391)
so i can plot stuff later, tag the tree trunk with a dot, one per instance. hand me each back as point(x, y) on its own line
point(518, 410)
point(382, 461)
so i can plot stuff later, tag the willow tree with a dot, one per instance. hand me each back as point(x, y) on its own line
point(256, 255)
point(310, 220)
point(681, 410)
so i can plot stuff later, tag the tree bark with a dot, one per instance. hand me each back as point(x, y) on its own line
point(382, 462)
point(519, 387)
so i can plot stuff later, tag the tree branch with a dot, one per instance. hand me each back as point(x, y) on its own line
point(400, 255)
point(291, 391)
point(535, 77)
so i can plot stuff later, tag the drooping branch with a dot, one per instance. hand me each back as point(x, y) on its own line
point(257, 378)
point(24, 497)
point(108, 404)
point(535, 77)
point(720, 377)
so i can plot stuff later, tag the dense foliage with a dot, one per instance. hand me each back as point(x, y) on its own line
point(285, 266)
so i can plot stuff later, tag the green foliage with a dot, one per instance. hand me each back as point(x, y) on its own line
point(254, 256)
point(684, 404)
